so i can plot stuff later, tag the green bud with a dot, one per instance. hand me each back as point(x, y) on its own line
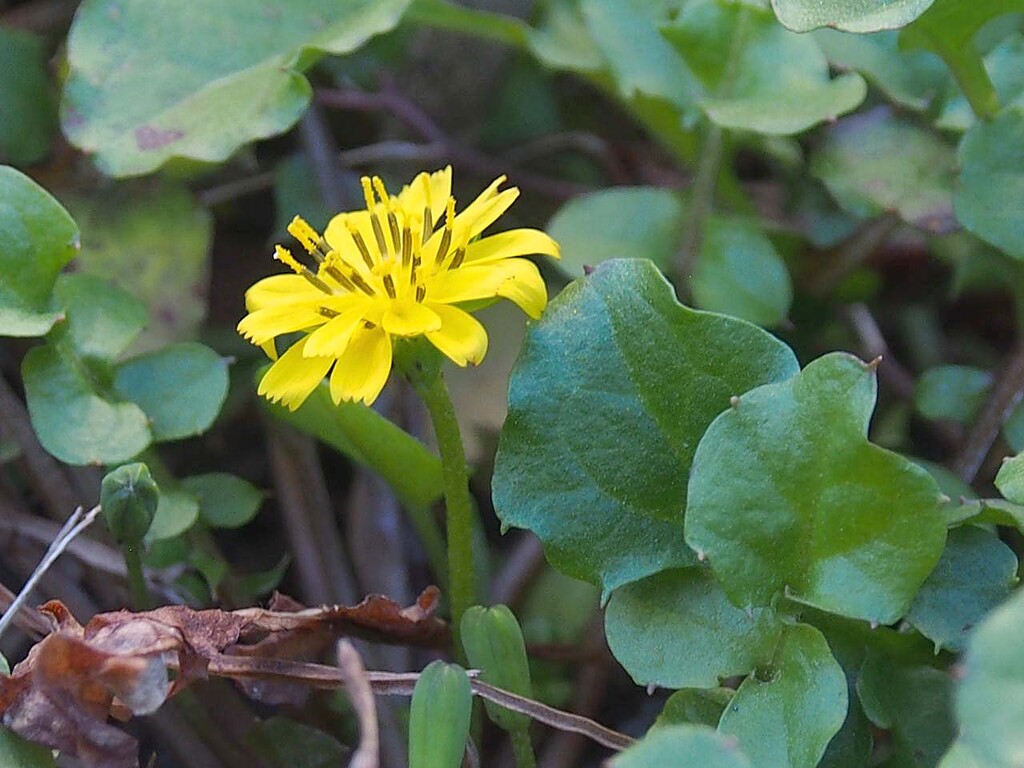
point(494, 645)
point(439, 717)
point(129, 497)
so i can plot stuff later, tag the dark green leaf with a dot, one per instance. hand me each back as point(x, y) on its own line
point(991, 189)
point(679, 745)
point(284, 743)
point(28, 112)
point(695, 705)
point(990, 699)
point(677, 629)
point(953, 392)
point(778, 81)
point(149, 83)
point(37, 238)
point(181, 388)
point(613, 388)
point(787, 495)
point(875, 163)
point(15, 752)
point(784, 716)
point(74, 421)
point(225, 501)
point(974, 575)
point(913, 702)
point(362, 434)
point(849, 15)
point(102, 319)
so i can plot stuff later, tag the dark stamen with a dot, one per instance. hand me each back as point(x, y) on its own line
point(361, 245)
point(457, 259)
point(328, 312)
point(389, 286)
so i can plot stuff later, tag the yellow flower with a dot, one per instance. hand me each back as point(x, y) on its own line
point(399, 268)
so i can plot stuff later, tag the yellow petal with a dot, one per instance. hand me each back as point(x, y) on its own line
point(488, 206)
point(461, 337)
point(293, 377)
point(514, 242)
point(515, 279)
point(339, 237)
point(363, 370)
point(278, 289)
point(264, 324)
point(270, 348)
point(438, 188)
point(331, 338)
point(404, 317)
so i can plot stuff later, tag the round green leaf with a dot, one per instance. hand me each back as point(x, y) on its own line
point(37, 238)
point(953, 392)
point(102, 319)
point(778, 83)
point(991, 190)
point(849, 15)
point(785, 716)
point(611, 392)
point(677, 629)
point(621, 222)
point(73, 420)
point(681, 745)
point(25, 92)
point(973, 576)
point(787, 495)
point(1010, 480)
point(875, 163)
point(149, 83)
point(15, 752)
point(225, 501)
point(695, 705)
point(990, 700)
point(176, 512)
point(181, 388)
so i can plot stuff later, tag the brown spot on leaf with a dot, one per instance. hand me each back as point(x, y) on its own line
point(149, 138)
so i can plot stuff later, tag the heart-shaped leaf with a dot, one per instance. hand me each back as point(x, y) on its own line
point(787, 495)
point(785, 715)
point(677, 629)
point(611, 393)
point(852, 16)
point(102, 319)
point(225, 501)
point(37, 238)
point(149, 83)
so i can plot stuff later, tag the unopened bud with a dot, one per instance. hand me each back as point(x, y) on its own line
point(129, 497)
point(442, 702)
point(494, 645)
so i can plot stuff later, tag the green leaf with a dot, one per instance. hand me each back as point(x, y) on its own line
point(148, 83)
point(439, 717)
point(875, 163)
point(615, 223)
point(225, 501)
point(406, 464)
point(561, 40)
point(986, 512)
point(1010, 479)
point(991, 188)
point(785, 716)
point(912, 79)
point(948, 28)
point(953, 392)
point(176, 512)
point(26, 98)
point(990, 699)
point(681, 745)
point(787, 495)
point(778, 81)
point(74, 421)
point(102, 319)
point(740, 273)
point(974, 575)
point(677, 629)
point(695, 705)
point(37, 238)
point(16, 752)
point(849, 15)
point(181, 388)
point(1005, 67)
point(913, 702)
point(153, 239)
point(284, 743)
point(611, 392)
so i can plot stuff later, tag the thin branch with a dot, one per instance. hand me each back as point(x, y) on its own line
point(1006, 395)
point(72, 528)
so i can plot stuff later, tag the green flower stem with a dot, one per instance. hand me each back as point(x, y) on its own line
point(461, 571)
point(138, 592)
point(522, 748)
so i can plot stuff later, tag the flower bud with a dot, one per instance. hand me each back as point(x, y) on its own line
point(494, 645)
point(439, 717)
point(129, 497)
